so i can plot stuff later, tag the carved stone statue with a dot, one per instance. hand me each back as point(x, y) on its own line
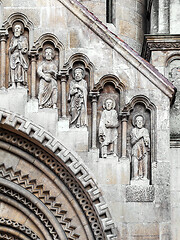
point(17, 51)
point(140, 143)
point(78, 98)
point(174, 76)
point(108, 132)
point(47, 72)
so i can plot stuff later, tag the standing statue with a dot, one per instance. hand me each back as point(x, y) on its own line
point(17, 50)
point(108, 132)
point(78, 98)
point(47, 72)
point(140, 143)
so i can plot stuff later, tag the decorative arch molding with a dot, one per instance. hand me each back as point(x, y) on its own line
point(99, 219)
point(139, 98)
point(9, 236)
point(109, 78)
point(29, 204)
point(15, 230)
point(153, 116)
point(170, 58)
point(26, 22)
point(49, 37)
point(80, 57)
point(32, 186)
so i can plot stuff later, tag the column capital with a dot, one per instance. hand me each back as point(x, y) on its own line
point(3, 34)
point(63, 75)
point(124, 116)
point(94, 96)
point(33, 55)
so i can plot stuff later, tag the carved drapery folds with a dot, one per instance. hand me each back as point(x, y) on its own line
point(18, 56)
point(173, 74)
point(108, 125)
point(78, 98)
point(77, 80)
point(110, 90)
point(47, 72)
point(15, 51)
point(50, 55)
point(140, 146)
point(141, 139)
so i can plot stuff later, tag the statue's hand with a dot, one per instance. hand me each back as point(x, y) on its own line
point(108, 125)
point(47, 79)
point(19, 46)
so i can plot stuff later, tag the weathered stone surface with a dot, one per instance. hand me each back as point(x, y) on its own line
point(135, 193)
point(111, 67)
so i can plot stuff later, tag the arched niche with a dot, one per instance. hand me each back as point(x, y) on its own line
point(83, 59)
point(26, 22)
point(110, 86)
point(28, 29)
point(41, 168)
point(47, 40)
point(173, 75)
point(51, 39)
point(141, 105)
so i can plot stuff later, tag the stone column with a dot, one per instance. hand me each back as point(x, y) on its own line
point(94, 97)
point(124, 119)
point(33, 58)
point(124, 172)
point(163, 16)
point(63, 93)
point(3, 39)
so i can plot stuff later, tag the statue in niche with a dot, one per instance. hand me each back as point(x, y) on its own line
point(108, 132)
point(140, 143)
point(17, 51)
point(47, 72)
point(175, 79)
point(78, 98)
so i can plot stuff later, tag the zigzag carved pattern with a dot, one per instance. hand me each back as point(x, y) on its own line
point(32, 207)
point(44, 196)
point(99, 209)
point(17, 226)
point(7, 236)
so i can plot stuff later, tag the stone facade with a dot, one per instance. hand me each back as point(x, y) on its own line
point(85, 122)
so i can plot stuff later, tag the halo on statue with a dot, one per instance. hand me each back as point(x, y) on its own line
point(134, 119)
point(20, 24)
point(113, 101)
point(79, 67)
point(52, 49)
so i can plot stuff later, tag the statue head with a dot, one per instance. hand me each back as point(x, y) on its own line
point(49, 53)
point(78, 73)
point(18, 29)
point(109, 103)
point(139, 121)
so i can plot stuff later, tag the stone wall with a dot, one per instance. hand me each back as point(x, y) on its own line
point(129, 19)
point(139, 203)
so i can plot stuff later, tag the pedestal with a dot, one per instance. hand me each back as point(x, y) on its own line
point(140, 182)
point(124, 170)
point(73, 138)
point(14, 99)
point(46, 117)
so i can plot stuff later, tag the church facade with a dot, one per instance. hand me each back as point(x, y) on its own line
point(89, 119)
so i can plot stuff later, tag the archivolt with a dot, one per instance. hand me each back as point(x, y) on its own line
point(68, 168)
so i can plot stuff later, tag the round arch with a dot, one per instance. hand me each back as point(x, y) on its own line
point(67, 172)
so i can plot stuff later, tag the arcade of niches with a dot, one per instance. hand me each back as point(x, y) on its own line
point(84, 129)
